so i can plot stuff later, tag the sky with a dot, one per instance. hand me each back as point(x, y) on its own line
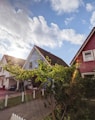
point(58, 26)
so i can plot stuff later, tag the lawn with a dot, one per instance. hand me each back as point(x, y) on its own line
point(13, 101)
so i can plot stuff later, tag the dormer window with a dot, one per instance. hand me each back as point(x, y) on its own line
point(88, 55)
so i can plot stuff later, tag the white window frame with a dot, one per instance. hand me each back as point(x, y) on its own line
point(94, 53)
point(89, 58)
point(88, 73)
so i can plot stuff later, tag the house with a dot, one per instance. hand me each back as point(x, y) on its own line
point(6, 79)
point(37, 53)
point(85, 57)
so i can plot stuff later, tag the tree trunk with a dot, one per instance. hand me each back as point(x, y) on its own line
point(62, 118)
point(52, 107)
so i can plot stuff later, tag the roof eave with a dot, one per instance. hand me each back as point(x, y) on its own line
point(83, 45)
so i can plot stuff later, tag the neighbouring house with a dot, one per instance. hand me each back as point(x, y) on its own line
point(85, 57)
point(6, 79)
point(38, 53)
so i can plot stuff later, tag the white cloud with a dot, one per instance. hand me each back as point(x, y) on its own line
point(92, 19)
point(68, 20)
point(18, 32)
point(65, 6)
point(70, 35)
point(89, 7)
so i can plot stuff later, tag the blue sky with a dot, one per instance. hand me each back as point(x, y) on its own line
point(59, 26)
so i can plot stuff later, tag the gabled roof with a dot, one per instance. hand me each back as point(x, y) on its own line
point(14, 60)
point(83, 45)
point(54, 59)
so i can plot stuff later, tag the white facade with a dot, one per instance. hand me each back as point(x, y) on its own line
point(4, 74)
point(32, 60)
point(31, 63)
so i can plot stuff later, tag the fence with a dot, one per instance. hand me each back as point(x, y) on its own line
point(16, 117)
point(6, 97)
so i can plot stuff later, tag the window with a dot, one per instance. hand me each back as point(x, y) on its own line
point(89, 76)
point(35, 64)
point(94, 53)
point(0, 69)
point(30, 65)
point(88, 55)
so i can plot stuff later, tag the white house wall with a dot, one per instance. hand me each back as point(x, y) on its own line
point(6, 83)
point(3, 62)
point(1, 82)
point(4, 72)
point(33, 57)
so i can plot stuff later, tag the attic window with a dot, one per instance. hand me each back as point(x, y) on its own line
point(30, 65)
point(88, 55)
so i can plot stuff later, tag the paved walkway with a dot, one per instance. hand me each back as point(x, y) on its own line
point(34, 110)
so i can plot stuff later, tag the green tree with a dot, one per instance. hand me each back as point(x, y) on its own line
point(19, 73)
point(63, 88)
point(89, 87)
point(57, 80)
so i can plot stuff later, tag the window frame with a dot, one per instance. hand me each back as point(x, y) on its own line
point(91, 58)
point(94, 53)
